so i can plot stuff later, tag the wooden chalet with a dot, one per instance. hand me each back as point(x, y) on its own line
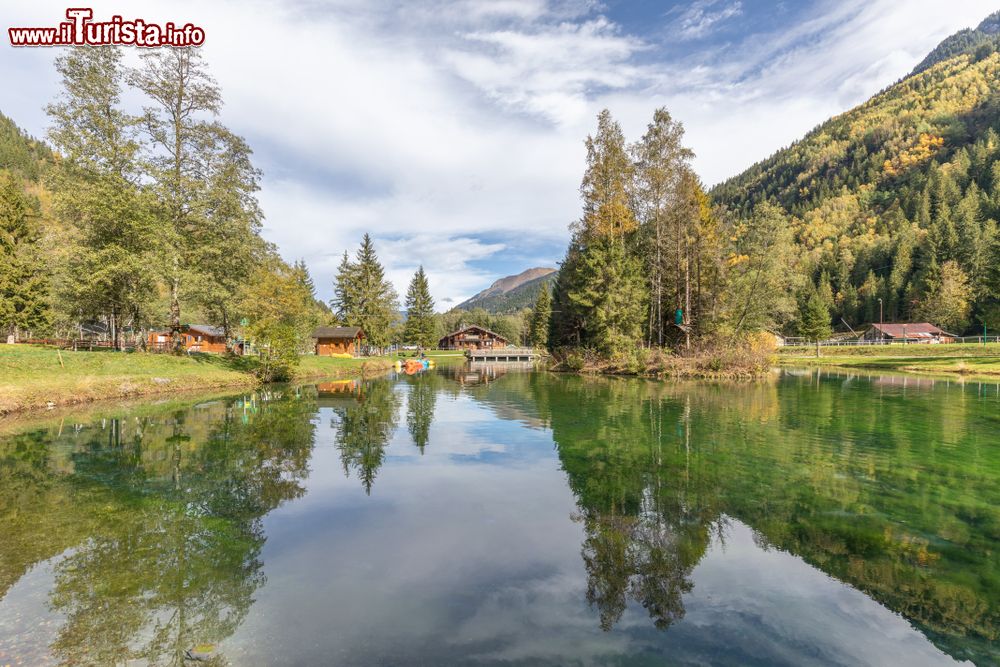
point(472, 338)
point(914, 332)
point(194, 338)
point(332, 341)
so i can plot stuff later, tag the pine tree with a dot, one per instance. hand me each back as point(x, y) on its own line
point(419, 328)
point(343, 301)
point(947, 297)
point(606, 287)
point(23, 288)
point(364, 297)
point(538, 334)
point(814, 320)
point(612, 292)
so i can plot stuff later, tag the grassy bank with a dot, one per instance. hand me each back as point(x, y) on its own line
point(952, 359)
point(33, 377)
point(738, 359)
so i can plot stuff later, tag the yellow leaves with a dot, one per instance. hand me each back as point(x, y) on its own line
point(925, 147)
point(737, 259)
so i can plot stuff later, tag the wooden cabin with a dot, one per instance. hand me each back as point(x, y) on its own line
point(194, 338)
point(331, 341)
point(912, 332)
point(472, 338)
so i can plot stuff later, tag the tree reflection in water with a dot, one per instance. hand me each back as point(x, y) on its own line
point(365, 422)
point(420, 403)
point(160, 517)
point(854, 484)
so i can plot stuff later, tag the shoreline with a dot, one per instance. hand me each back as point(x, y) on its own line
point(42, 379)
point(966, 362)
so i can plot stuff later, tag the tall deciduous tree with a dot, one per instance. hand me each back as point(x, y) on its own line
point(761, 276)
point(280, 309)
point(419, 328)
point(667, 218)
point(97, 191)
point(204, 179)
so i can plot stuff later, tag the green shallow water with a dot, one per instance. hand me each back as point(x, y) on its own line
point(491, 518)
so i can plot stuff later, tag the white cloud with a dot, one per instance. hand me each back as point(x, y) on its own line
point(452, 131)
point(702, 15)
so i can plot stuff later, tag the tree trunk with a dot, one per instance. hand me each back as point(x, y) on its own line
point(175, 315)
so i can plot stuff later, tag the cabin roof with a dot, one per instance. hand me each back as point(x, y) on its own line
point(208, 330)
point(338, 332)
point(478, 328)
point(910, 330)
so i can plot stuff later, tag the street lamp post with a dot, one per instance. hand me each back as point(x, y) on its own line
point(880, 320)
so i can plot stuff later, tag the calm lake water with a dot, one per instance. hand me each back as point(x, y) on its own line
point(489, 518)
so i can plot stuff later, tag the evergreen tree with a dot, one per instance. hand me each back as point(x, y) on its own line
point(343, 290)
point(23, 288)
point(814, 320)
point(947, 298)
point(606, 291)
point(363, 296)
point(419, 328)
point(612, 293)
point(541, 314)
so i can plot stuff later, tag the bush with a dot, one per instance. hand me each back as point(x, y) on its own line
point(575, 362)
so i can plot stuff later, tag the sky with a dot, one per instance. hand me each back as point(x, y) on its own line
point(453, 132)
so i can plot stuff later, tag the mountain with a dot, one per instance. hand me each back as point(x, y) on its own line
point(963, 41)
point(511, 293)
point(897, 200)
point(20, 153)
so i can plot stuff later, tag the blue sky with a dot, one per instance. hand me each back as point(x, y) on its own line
point(453, 131)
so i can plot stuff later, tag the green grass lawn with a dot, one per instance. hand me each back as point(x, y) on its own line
point(34, 377)
point(945, 359)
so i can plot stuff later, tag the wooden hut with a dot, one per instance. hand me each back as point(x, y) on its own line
point(913, 332)
point(332, 341)
point(472, 338)
point(194, 338)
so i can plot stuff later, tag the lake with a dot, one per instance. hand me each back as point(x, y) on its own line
point(492, 517)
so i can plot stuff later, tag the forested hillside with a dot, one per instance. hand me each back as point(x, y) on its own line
point(513, 300)
point(963, 41)
point(898, 199)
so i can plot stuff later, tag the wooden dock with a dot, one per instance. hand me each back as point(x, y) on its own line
point(521, 354)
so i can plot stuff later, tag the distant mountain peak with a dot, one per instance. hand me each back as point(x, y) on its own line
point(511, 293)
point(991, 24)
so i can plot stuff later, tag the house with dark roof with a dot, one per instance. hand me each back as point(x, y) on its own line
point(911, 332)
point(472, 338)
point(338, 341)
point(194, 338)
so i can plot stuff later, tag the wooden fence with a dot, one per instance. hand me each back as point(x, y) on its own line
point(946, 340)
